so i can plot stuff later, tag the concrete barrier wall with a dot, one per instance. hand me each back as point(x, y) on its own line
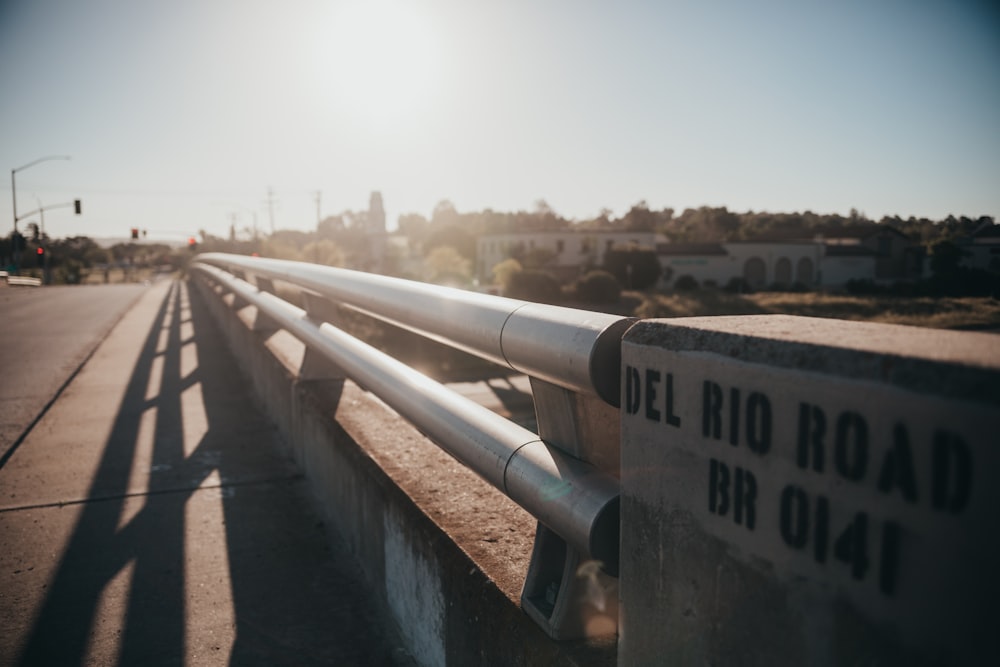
point(794, 491)
point(803, 491)
point(444, 553)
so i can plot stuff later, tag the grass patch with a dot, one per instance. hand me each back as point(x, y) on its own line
point(696, 303)
point(937, 313)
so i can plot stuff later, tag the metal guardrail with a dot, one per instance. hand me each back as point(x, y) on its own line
point(20, 281)
point(577, 351)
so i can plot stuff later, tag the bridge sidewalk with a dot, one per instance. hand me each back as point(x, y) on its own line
point(151, 518)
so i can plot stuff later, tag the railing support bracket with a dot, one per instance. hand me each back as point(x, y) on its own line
point(316, 366)
point(565, 592)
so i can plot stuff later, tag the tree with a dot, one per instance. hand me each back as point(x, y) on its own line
point(452, 236)
point(598, 287)
point(602, 221)
point(639, 218)
point(503, 271)
point(534, 285)
point(293, 237)
point(444, 213)
point(538, 258)
point(635, 268)
point(412, 225)
point(945, 258)
point(707, 224)
point(323, 252)
point(83, 249)
point(545, 216)
point(279, 250)
point(686, 283)
point(446, 265)
point(330, 227)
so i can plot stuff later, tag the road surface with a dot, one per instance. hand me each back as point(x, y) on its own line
point(152, 517)
point(45, 333)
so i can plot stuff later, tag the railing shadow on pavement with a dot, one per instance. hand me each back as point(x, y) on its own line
point(268, 595)
point(515, 401)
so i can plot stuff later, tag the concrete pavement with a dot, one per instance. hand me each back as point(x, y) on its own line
point(151, 517)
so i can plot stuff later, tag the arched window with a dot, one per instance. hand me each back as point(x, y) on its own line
point(804, 272)
point(755, 272)
point(783, 272)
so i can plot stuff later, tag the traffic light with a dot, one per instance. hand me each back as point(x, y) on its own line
point(192, 243)
point(40, 256)
point(135, 232)
point(77, 206)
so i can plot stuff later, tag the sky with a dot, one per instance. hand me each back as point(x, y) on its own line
point(191, 115)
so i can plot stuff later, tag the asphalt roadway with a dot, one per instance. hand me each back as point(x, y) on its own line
point(45, 334)
point(149, 515)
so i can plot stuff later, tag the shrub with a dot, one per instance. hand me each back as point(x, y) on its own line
point(636, 268)
point(504, 270)
point(860, 286)
point(445, 265)
point(534, 285)
point(738, 285)
point(685, 283)
point(598, 287)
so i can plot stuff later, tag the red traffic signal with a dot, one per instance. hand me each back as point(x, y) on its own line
point(135, 232)
point(40, 251)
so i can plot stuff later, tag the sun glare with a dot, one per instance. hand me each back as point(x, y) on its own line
point(382, 60)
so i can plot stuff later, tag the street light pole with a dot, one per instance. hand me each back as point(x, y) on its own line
point(13, 188)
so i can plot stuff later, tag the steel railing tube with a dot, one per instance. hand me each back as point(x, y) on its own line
point(563, 346)
point(571, 497)
point(568, 347)
point(467, 320)
point(587, 511)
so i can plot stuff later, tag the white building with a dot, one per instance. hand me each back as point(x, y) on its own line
point(832, 258)
point(842, 264)
point(572, 251)
point(811, 264)
point(760, 264)
point(982, 249)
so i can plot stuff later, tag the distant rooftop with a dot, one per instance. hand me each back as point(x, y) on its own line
point(849, 251)
point(826, 232)
point(690, 249)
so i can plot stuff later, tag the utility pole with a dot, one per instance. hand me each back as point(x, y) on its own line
point(13, 186)
point(13, 198)
point(319, 196)
point(270, 207)
point(46, 274)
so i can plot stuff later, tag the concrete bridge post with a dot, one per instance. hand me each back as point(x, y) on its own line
point(804, 491)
